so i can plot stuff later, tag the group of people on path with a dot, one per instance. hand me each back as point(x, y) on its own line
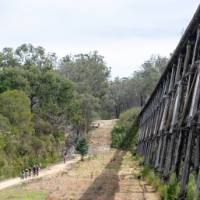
point(28, 172)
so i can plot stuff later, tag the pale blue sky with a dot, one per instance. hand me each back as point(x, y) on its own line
point(125, 32)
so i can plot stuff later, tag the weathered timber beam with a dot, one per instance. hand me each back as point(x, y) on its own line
point(193, 110)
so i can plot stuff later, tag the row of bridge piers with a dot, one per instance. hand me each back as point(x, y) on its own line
point(169, 123)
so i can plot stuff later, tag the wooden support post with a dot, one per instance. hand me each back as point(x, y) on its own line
point(181, 136)
point(197, 167)
point(186, 167)
point(172, 132)
point(197, 152)
point(178, 71)
point(193, 110)
point(187, 57)
point(168, 117)
point(161, 129)
point(161, 132)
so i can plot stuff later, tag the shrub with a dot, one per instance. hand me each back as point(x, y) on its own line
point(15, 106)
point(125, 132)
point(82, 147)
point(168, 191)
point(191, 189)
point(172, 188)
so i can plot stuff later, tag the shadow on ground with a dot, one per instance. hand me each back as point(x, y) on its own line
point(106, 185)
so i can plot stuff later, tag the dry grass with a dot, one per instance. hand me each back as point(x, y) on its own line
point(105, 176)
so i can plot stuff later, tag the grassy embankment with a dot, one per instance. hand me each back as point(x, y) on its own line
point(124, 136)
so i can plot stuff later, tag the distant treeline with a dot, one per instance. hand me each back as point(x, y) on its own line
point(134, 91)
point(46, 102)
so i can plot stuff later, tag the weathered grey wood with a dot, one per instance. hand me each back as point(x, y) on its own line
point(197, 152)
point(166, 121)
point(186, 167)
point(196, 45)
point(161, 128)
point(178, 71)
point(193, 110)
point(178, 153)
point(172, 131)
point(170, 140)
point(162, 153)
point(161, 131)
point(187, 57)
point(193, 59)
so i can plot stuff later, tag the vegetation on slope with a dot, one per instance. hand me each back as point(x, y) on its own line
point(42, 112)
point(47, 103)
point(124, 134)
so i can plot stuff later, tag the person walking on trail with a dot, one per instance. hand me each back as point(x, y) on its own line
point(65, 156)
point(23, 174)
point(29, 171)
point(37, 170)
point(26, 173)
point(34, 170)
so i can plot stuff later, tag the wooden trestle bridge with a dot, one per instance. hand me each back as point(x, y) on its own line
point(169, 137)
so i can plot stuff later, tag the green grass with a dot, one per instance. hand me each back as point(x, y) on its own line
point(14, 194)
point(167, 191)
point(192, 189)
point(124, 133)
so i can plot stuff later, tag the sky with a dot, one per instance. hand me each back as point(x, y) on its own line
point(125, 32)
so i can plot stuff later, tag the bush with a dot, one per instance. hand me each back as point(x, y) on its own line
point(125, 132)
point(192, 189)
point(15, 106)
point(168, 191)
point(82, 147)
point(172, 188)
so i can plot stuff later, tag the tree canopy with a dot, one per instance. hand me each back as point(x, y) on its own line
point(44, 101)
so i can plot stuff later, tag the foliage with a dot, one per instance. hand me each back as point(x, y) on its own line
point(15, 194)
point(88, 71)
point(168, 191)
point(125, 132)
point(88, 105)
point(15, 106)
point(90, 75)
point(149, 75)
point(82, 147)
point(172, 188)
point(125, 93)
point(43, 99)
point(192, 188)
point(4, 124)
point(37, 105)
point(27, 55)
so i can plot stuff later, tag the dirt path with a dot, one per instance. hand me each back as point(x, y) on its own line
point(107, 175)
point(45, 172)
